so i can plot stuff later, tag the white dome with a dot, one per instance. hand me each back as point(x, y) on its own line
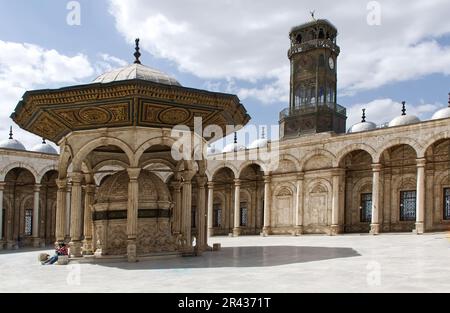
point(44, 148)
point(404, 120)
point(443, 113)
point(259, 143)
point(233, 147)
point(137, 71)
point(12, 144)
point(213, 150)
point(362, 127)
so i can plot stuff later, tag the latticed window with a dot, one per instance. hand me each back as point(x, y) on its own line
point(366, 207)
point(217, 216)
point(28, 222)
point(447, 204)
point(408, 206)
point(244, 215)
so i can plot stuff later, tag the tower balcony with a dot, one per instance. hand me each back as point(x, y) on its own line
point(314, 44)
point(312, 108)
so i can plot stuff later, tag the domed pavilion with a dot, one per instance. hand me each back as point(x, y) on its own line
point(116, 133)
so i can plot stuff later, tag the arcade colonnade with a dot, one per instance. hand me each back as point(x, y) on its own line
point(27, 199)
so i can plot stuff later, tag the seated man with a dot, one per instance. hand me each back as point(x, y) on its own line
point(60, 250)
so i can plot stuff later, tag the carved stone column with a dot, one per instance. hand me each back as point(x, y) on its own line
point(35, 227)
point(132, 213)
point(186, 221)
point(335, 209)
point(299, 205)
point(60, 229)
point(76, 223)
point(68, 210)
point(89, 195)
point(210, 209)
point(420, 208)
point(375, 226)
point(267, 204)
point(2, 188)
point(177, 209)
point(202, 216)
point(237, 208)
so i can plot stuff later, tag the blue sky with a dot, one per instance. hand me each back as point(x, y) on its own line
point(232, 46)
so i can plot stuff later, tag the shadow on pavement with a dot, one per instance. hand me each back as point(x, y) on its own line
point(243, 257)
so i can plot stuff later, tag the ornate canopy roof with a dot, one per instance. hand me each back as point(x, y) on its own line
point(135, 95)
point(53, 114)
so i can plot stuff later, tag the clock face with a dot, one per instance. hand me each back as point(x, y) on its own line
point(331, 63)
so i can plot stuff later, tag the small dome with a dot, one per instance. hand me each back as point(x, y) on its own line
point(213, 150)
point(362, 127)
point(12, 143)
point(443, 113)
point(259, 143)
point(404, 119)
point(233, 147)
point(137, 71)
point(44, 148)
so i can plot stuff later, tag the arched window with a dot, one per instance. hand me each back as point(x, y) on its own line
point(298, 97)
point(366, 208)
point(313, 96)
point(321, 34)
point(217, 215)
point(322, 95)
point(447, 204)
point(28, 222)
point(244, 214)
point(330, 95)
point(321, 60)
point(298, 39)
point(408, 205)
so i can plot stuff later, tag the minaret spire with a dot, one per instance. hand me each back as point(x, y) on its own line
point(403, 108)
point(137, 54)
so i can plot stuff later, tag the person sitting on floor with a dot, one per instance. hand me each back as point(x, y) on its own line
point(60, 250)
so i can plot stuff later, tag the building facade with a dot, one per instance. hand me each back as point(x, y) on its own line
point(120, 190)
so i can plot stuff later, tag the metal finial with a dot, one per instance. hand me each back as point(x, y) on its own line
point(235, 138)
point(403, 108)
point(263, 135)
point(363, 116)
point(313, 13)
point(44, 142)
point(137, 54)
point(10, 133)
point(449, 99)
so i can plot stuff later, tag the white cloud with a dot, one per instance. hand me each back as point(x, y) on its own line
point(108, 63)
point(26, 66)
point(382, 111)
point(248, 40)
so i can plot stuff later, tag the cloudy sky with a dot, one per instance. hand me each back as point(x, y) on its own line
point(236, 46)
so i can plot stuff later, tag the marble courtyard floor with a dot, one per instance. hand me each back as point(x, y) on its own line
point(349, 263)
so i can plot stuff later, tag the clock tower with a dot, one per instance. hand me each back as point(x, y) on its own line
point(313, 107)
